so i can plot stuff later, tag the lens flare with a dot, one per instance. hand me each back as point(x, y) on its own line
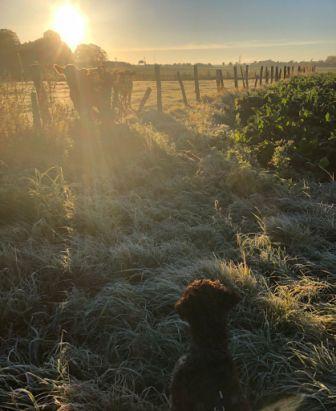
point(70, 23)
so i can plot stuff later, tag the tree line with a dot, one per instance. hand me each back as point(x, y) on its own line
point(16, 58)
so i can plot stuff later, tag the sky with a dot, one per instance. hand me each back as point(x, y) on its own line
point(174, 31)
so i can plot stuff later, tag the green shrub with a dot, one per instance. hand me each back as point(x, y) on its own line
point(291, 124)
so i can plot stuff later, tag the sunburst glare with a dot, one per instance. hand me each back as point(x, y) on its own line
point(70, 23)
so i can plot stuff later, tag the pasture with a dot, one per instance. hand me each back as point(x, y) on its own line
point(58, 92)
point(100, 235)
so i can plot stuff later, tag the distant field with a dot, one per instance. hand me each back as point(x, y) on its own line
point(206, 72)
point(171, 93)
point(326, 69)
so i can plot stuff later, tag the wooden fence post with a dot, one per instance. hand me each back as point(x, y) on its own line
point(247, 76)
point(235, 74)
point(221, 79)
point(261, 74)
point(35, 110)
point(144, 99)
point(256, 80)
point(41, 93)
point(267, 75)
point(218, 81)
point(158, 88)
point(280, 73)
point(285, 72)
point(184, 96)
point(272, 74)
point(242, 74)
point(197, 88)
point(276, 73)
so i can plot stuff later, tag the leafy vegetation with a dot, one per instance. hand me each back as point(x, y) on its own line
point(99, 236)
point(291, 124)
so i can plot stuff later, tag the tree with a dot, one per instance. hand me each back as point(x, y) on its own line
point(8, 39)
point(9, 57)
point(89, 55)
point(54, 50)
point(52, 36)
point(331, 61)
point(48, 50)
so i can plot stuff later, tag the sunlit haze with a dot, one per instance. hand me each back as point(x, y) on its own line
point(183, 30)
point(69, 22)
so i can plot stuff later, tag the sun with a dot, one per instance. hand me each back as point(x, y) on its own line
point(70, 23)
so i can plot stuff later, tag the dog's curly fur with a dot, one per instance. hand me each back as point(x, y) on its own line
point(206, 378)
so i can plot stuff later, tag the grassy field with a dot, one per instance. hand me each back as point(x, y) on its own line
point(59, 92)
point(208, 72)
point(100, 235)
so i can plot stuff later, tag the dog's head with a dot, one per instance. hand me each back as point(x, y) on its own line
point(206, 299)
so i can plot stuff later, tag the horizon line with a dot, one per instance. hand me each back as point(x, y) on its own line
point(229, 45)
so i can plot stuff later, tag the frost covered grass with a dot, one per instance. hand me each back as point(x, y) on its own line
point(99, 236)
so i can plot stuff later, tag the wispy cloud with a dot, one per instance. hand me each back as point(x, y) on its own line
point(230, 45)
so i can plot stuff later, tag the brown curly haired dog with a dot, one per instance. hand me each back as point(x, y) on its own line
point(206, 379)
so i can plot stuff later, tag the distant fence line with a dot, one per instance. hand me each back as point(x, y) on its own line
point(168, 72)
point(268, 76)
point(241, 76)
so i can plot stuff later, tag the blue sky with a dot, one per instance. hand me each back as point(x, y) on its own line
point(191, 30)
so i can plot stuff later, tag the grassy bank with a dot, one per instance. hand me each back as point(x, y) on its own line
point(100, 235)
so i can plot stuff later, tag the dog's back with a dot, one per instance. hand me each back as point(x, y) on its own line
point(206, 381)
